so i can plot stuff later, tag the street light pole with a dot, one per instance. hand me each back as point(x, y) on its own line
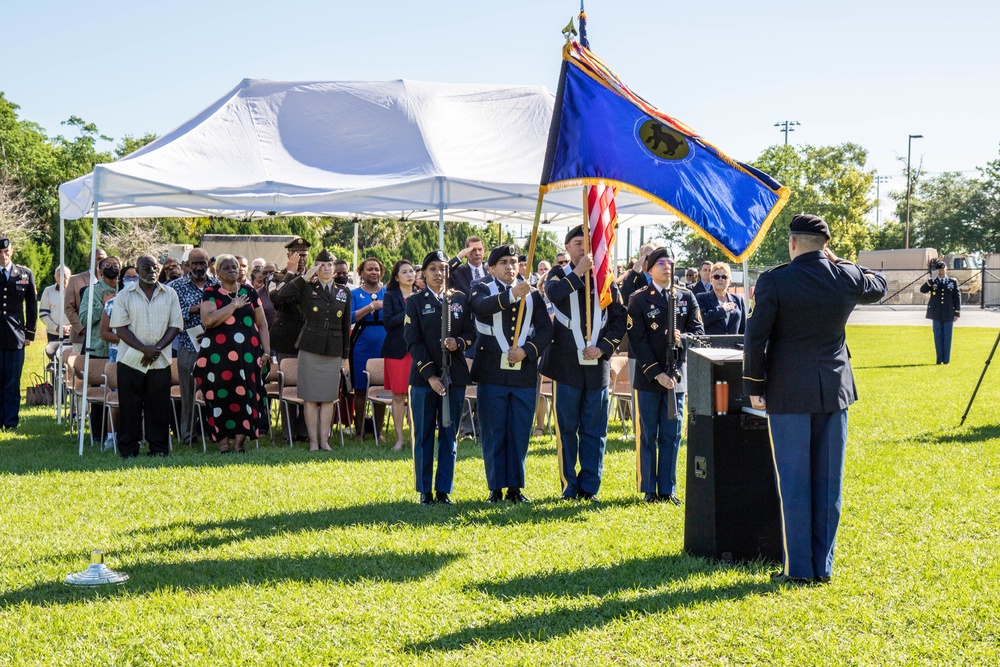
point(909, 143)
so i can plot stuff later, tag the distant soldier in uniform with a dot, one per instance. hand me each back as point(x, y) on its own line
point(580, 368)
point(422, 329)
point(637, 278)
point(797, 367)
point(657, 437)
point(19, 310)
point(506, 371)
point(943, 309)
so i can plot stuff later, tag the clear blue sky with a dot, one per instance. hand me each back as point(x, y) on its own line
point(869, 72)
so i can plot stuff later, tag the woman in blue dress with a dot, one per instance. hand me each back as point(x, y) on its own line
point(367, 336)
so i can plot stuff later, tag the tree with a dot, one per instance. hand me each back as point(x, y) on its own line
point(130, 238)
point(829, 181)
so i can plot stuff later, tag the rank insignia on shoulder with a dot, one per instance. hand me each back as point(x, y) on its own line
point(750, 305)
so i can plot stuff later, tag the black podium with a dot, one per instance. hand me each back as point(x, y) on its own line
point(732, 511)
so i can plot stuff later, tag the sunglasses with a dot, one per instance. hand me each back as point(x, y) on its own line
point(562, 262)
point(720, 276)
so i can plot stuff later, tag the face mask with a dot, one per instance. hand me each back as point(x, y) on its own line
point(340, 280)
point(111, 272)
point(128, 281)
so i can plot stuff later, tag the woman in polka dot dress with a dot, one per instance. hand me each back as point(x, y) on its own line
point(234, 351)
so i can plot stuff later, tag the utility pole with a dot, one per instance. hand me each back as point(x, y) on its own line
point(786, 127)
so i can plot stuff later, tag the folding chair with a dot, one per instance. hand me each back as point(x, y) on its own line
point(111, 399)
point(621, 390)
point(545, 391)
point(376, 393)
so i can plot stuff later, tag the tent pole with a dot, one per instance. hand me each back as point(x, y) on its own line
point(354, 267)
point(531, 259)
point(86, 334)
point(441, 212)
point(746, 281)
point(59, 351)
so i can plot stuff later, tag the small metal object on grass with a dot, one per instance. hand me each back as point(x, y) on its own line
point(97, 573)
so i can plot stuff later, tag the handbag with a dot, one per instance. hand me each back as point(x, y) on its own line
point(39, 392)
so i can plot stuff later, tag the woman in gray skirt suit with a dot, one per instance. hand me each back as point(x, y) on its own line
point(324, 343)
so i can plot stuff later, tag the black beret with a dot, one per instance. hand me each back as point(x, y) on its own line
point(4, 242)
point(522, 258)
point(939, 264)
point(805, 223)
point(573, 233)
point(655, 256)
point(501, 251)
point(434, 256)
point(298, 244)
point(324, 256)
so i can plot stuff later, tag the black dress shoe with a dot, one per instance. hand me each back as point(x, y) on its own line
point(496, 496)
point(566, 499)
point(444, 499)
point(426, 499)
point(592, 497)
point(823, 580)
point(671, 498)
point(651, 498)
point(515, 496)
point(782, 578)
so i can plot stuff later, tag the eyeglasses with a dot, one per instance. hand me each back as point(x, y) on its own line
point(720, 276)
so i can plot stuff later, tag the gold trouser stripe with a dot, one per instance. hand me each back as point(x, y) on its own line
point(638, 437)
point(781, 501)
point(413, 434)
point(559, 448)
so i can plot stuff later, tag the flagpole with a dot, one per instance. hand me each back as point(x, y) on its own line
point(531, 259)
point(587, 249)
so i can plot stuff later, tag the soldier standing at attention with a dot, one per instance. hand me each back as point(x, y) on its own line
point(797, 367)
point(506, 371)
point(422, 329)
point(658, 437)
point(943, 309)
point(19, 311)
point(580, 368)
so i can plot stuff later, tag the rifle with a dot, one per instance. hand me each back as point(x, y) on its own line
point(445, 353)
point(673, 350)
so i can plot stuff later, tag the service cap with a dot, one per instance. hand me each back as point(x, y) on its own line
point(298, 244)
point(323, 256)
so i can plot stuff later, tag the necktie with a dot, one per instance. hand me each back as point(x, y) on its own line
point(3, 274)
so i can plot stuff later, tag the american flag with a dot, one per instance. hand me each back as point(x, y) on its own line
point(603, 224)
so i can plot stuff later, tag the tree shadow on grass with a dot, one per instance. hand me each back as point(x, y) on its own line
point(148, 577)
point(398, 514)
point(959, 435)
point(620, 591)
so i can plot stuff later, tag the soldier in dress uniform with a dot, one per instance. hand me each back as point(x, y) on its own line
point(19, 311)
point(422, 328)
point(943, 309)
point(657, 437)
point(796, 366)
point(506, 371)
point(580, 368)
point(288, 321)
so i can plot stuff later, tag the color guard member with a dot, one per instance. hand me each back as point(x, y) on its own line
point(506, 372)
point(580, 368)
point(422, 331)
point(943, 309)
point(657, 437)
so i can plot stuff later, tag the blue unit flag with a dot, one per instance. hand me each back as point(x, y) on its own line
point(603, 133)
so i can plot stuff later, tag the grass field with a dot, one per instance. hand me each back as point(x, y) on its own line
point(282, 557)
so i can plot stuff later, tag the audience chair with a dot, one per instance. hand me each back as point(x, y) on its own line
point(377, 393)
point(621, 391)
point(110, 399)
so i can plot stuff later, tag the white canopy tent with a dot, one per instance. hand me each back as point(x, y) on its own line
point(393, 149)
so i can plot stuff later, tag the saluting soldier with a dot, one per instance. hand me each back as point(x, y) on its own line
point(657, 437)
point(323, 344)
point(796, 366)
point(288, 318)
point(422, 329)
point(580, 368)
point(506, 371)
point(19, 312)
point(943, 309)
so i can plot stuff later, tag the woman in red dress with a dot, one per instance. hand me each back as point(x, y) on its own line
point(397, 359)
